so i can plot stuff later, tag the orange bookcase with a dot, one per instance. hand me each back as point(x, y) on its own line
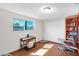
point(72, 29)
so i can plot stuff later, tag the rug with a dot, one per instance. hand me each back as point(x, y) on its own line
point(43, 50)
point(40, 52)
point(48, 46)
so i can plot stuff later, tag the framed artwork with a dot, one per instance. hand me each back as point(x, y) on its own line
point(28, 25)
point(18, 25)
point(21, 25)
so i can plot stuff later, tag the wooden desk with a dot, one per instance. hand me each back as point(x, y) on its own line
point(25, 40)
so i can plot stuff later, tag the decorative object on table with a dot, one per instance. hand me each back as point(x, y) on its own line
point(27, 35)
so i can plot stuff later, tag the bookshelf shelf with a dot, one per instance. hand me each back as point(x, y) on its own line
point(71, 31)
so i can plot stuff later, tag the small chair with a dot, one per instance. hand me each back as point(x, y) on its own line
point(65, 47)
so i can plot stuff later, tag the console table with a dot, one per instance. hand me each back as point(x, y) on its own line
point(25, 40)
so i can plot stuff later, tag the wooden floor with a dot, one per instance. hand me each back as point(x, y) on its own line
point(54, 51)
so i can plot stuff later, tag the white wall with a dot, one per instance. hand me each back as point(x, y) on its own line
point(9, 39)
point(54, 29)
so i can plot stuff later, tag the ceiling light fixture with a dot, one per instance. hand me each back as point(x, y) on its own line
point(47, 9)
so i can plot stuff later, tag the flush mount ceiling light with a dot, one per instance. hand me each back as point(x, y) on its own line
point(47, 9)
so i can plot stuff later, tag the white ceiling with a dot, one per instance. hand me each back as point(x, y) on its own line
point(33, 9)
